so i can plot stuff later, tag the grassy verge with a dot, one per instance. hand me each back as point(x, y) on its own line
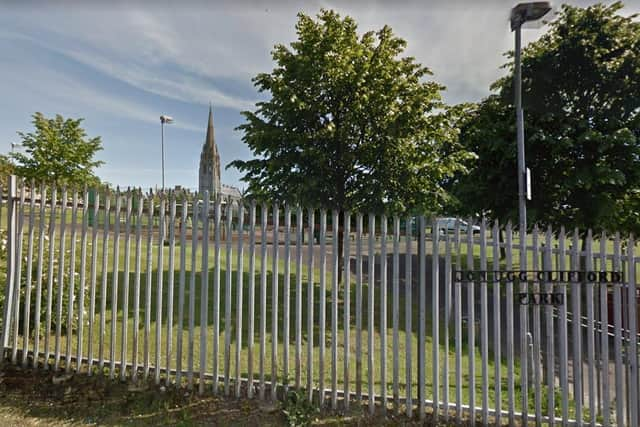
point(35, 398)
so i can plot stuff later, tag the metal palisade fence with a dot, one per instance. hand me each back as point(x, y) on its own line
point(427, 317)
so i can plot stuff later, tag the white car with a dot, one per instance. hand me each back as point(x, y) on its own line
point(448, 225)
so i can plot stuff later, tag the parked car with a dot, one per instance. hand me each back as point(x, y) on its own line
point(445, 225)
point(448, 225)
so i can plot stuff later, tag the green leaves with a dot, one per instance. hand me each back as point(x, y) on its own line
point(298, 410)
point(582, 127)
point(59, 152)
point(350, 123)
point(7, 168)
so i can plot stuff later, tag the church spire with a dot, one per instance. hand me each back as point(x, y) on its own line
point(209, 173)
point(209, 140)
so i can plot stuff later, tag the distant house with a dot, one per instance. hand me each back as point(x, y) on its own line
point(230, 191)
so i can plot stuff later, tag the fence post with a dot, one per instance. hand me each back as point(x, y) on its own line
point(11, 260)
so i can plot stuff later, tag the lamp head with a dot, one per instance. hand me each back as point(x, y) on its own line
point(166, 119)
point(525, 12)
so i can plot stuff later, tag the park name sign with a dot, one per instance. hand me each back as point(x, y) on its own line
point(547, 276)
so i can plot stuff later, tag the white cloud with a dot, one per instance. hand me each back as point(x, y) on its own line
point(179, 86)
point(62, 89)
point(179, 50)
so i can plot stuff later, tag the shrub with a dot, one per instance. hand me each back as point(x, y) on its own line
point(298, 410)
point(44, 286)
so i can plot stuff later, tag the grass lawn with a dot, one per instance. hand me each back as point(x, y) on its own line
point(243, 367)
point(230, 353)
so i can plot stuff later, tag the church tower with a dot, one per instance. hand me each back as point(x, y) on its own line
point(209, 174)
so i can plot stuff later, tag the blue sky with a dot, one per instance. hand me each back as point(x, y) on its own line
point(120, 66)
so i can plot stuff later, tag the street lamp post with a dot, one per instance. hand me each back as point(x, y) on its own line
point(520, 14)
point(164, 119)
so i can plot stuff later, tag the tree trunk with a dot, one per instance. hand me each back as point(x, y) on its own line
point(503, 250)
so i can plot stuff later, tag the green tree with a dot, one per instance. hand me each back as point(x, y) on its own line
point(58, 152)
point(350, 124)
point(580, 91)
point(7, 168)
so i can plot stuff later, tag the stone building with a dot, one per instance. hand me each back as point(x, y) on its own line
point(209, 172)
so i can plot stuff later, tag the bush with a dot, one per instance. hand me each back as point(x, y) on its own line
point(44, 286)
point(298, 410)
